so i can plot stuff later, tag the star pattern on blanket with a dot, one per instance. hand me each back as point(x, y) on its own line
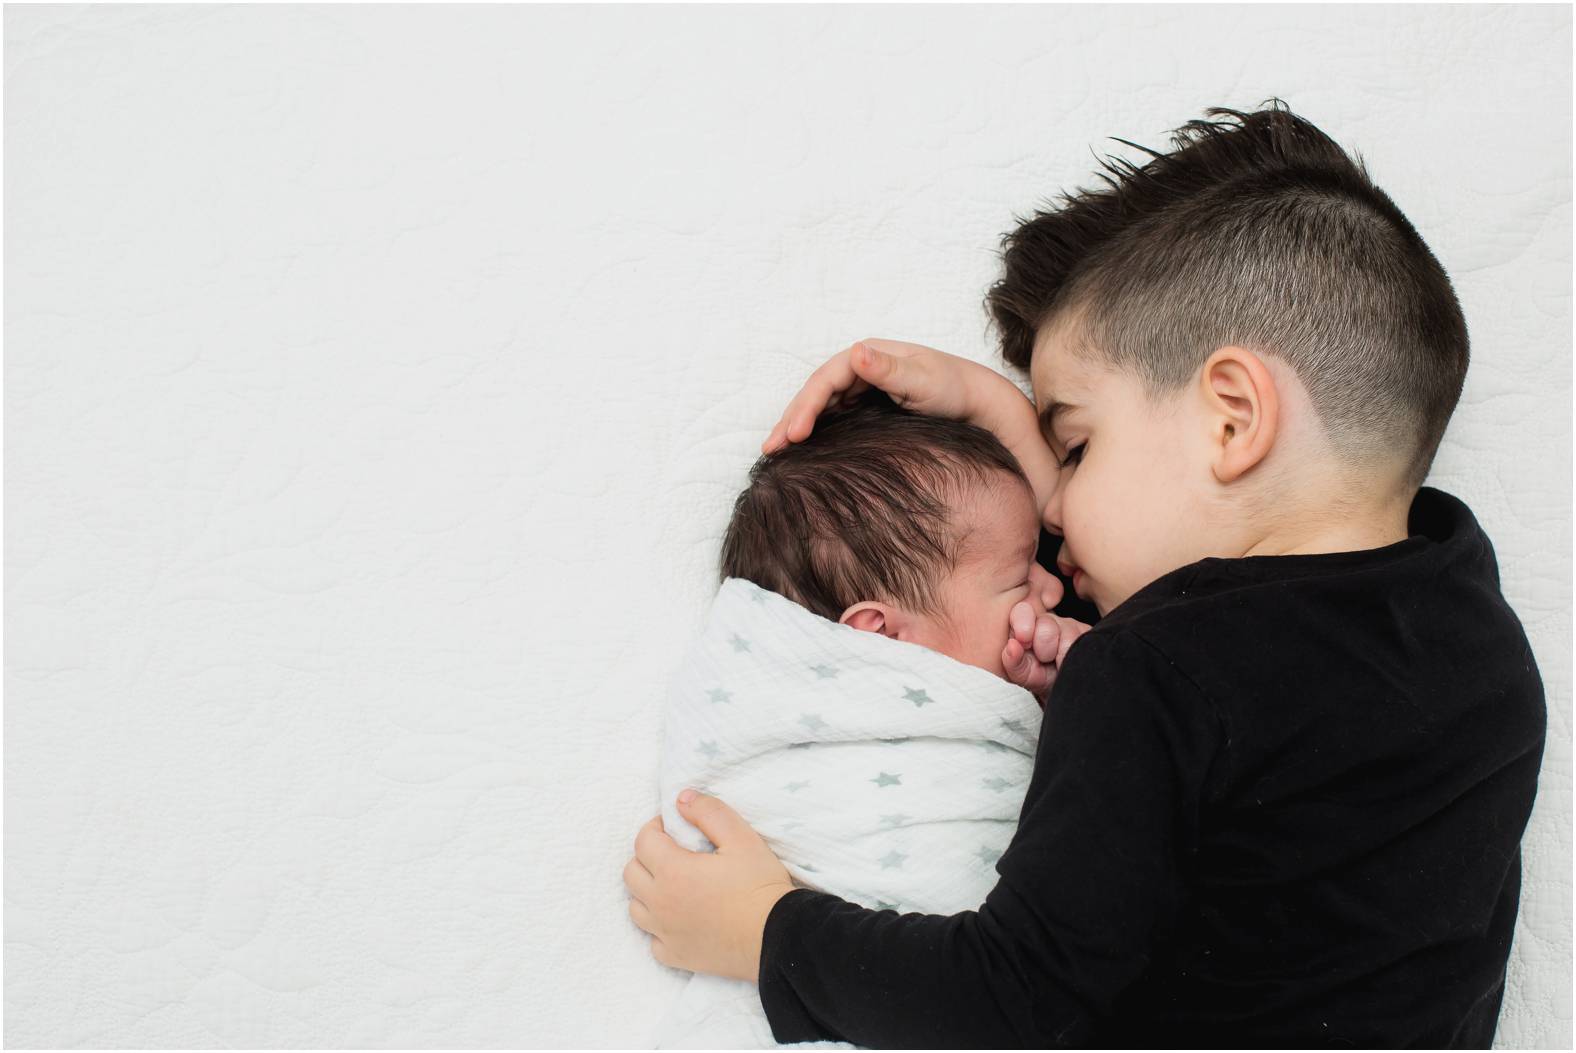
point(751, 716)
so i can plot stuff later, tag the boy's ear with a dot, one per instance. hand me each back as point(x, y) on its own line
point(871, 617)
point(1243, 407)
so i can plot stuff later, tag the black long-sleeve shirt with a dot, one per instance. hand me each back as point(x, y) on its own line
point(1277, 801)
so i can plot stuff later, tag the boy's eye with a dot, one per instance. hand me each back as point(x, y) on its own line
point(1074, 455)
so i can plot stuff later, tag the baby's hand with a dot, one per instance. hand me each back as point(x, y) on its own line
point(1036, 647)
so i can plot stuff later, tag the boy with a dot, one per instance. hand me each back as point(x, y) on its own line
point(1281, 786)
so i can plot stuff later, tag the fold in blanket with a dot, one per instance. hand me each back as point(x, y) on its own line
point(877, 770)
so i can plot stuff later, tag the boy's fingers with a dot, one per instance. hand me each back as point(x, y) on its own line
point(637, 879)
point(653, 847)
point(834, 383)
point(641, 916)
point(721, 824)
point(891, 374)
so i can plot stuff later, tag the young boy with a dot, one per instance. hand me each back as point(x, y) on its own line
point(1281, 785)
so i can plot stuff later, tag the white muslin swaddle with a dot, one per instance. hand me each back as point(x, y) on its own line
point(877, 770)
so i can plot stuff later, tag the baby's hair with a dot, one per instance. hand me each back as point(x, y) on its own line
point(865, 508)
point(1263, 234)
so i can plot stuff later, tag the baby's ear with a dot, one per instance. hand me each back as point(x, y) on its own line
point(868, 616)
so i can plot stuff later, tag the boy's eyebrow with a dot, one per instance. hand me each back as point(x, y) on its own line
point(1048, 415)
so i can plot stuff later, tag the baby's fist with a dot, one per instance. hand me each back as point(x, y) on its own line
point(1036, 647)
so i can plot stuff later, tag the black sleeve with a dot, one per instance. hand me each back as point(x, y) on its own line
point(1089, 884)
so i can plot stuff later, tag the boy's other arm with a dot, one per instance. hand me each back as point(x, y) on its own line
point(1089, 885)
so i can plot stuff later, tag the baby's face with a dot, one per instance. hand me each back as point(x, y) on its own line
point(992, 576)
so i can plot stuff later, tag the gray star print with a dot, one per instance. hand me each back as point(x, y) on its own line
point(739, 643)
point(896, 819)
point(987, 855)
point(1015, 725)
point(823, 672)
point(795, 787)
point(883, 779)
point(812, 721)
point(710, 749)
point(882, 904)
point(917, 696)
point(717, 694)
point(893, 859)
point(996, 782)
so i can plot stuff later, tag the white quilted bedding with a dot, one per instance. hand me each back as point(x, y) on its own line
point(378, 379)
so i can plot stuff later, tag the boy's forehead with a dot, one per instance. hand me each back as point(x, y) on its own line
point(1056, 374)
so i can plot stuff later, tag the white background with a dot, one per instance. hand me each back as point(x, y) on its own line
point(377, 381)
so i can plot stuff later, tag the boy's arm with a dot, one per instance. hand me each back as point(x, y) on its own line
point(1089, 885)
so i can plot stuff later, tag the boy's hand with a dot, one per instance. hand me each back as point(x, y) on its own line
point(928, 381)
point(916, 377)
point(705, 911)
point(1039, 640)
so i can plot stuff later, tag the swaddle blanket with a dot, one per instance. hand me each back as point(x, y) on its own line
point(877, 770)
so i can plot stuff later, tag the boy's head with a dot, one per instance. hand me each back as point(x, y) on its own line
point(915, 527)
point(1239, 337)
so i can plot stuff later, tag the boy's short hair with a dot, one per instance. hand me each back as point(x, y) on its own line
point(865, 508)
point(1263, 234)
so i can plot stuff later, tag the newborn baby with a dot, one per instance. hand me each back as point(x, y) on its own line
point(848, 693)
point(914, 527)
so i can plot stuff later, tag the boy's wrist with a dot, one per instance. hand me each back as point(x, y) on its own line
point(766, 903)
point(996, 404)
